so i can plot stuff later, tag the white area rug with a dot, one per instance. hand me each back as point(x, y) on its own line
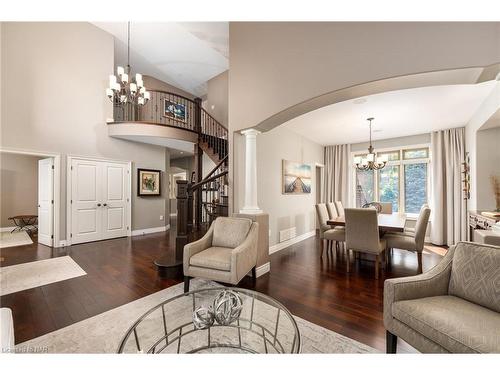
point(8, 239)
point(41, 272)
point(104, 332)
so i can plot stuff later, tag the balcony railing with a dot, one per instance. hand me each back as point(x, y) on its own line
point(170, 109)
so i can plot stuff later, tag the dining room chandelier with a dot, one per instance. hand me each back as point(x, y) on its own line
point(124, 88)
point(370, 162)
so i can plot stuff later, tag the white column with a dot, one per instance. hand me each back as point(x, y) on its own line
point(250, 206)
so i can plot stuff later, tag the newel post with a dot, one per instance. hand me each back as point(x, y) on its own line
point(182, 217)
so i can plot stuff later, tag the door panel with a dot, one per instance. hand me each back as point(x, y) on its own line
point(45, 201)
point(86, 215)
point(115, 200)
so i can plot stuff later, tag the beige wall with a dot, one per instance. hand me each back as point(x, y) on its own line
point(484, 113)
point(53, 100)
point(217, 96)
point(285, 211)
point(488, 164)
point(275, 65)
point(19, 186)
point(152, 83)
point(393, 142)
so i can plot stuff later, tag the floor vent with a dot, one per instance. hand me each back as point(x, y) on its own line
point(288, 234)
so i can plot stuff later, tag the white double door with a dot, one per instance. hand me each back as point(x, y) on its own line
point(99, 200)
point(46, 201)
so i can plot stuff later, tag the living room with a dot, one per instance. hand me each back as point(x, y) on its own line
point(263, 187)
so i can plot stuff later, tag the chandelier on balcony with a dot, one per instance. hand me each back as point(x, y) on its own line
point(370, 162)
point(124, 88)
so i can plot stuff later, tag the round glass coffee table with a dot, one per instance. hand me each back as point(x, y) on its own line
point(264, 326)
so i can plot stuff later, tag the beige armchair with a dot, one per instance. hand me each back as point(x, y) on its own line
point(226, 253)
point(362, 234)
point(411, 241)
point(454, 307)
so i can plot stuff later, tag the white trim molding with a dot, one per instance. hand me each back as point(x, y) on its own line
point(292, 241)
point(140, 232)
point(7, 229)
point(263, 269)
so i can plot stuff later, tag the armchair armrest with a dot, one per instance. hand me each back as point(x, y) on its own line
point(434, 282)
point(244, 257)
point(195, 247)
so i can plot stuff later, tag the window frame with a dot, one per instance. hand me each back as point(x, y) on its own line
point(401, 163)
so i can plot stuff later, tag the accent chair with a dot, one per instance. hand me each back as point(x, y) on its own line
point(452, 308)
point(362, 234)
point(226, 253)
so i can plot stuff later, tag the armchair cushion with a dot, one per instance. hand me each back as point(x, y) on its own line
point(218, 258)
point(475, 274)
point(457, 325)
point(230, 231)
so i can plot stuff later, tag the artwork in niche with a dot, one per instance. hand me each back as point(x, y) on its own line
point(296, 178)
point(148, 182)
point(174, 110)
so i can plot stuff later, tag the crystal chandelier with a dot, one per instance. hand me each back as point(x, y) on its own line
point(370, 162)
point(124, 88)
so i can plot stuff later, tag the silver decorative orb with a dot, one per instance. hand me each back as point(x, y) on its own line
point(203, 317)
point(227, 307)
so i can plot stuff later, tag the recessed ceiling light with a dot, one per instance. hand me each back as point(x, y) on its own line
point(360, 101)
point(377, 130)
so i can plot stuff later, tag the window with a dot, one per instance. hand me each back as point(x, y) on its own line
point(403, 181)
point(388, 186)
point(365, 187)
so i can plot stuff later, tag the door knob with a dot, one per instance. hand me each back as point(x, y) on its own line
point(98, 205)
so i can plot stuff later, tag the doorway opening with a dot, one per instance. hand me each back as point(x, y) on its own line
point(30, 198)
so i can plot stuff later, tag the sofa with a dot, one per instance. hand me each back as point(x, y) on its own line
point(452, 308)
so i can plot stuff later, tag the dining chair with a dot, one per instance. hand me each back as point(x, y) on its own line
point(362, 234)
point(340, 208)
point(326, 232)
point(412, 241)
point(332, 210)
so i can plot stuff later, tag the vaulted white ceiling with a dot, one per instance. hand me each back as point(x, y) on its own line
point(397, 113)
point(185, 55)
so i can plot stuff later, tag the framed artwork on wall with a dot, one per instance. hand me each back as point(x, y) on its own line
point(148, 182)
point(175, 111)
point(296, 178)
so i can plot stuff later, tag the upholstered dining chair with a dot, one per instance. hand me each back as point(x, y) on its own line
point(340, 208)
point(226, 253)
point(411, 241)
point(327, 233)
point(362, 234)
point(332, 210)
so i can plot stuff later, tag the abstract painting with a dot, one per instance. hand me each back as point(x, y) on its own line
point(148, 182)
point(296, 178)
point(174, 110)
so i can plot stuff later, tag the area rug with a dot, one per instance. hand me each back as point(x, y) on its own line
point(41, 272)
point(8, 239)
point(104, 332)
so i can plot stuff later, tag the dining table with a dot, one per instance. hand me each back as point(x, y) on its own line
point(394, 222)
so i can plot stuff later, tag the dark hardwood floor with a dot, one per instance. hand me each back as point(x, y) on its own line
point(121, 270)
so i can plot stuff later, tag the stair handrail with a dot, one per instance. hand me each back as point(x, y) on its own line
point(207, 180)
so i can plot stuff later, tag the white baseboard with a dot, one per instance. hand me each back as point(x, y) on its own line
point(7, 229)
point(62, 243)
point(173, 215)
point(285, 244)
point(263, 269)
point(140, 232)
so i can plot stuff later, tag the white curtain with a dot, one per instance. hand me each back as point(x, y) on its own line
point(337, 173)
point(448, 218)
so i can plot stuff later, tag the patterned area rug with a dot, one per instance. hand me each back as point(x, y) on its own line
point(104, 332)
point(41, 272)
